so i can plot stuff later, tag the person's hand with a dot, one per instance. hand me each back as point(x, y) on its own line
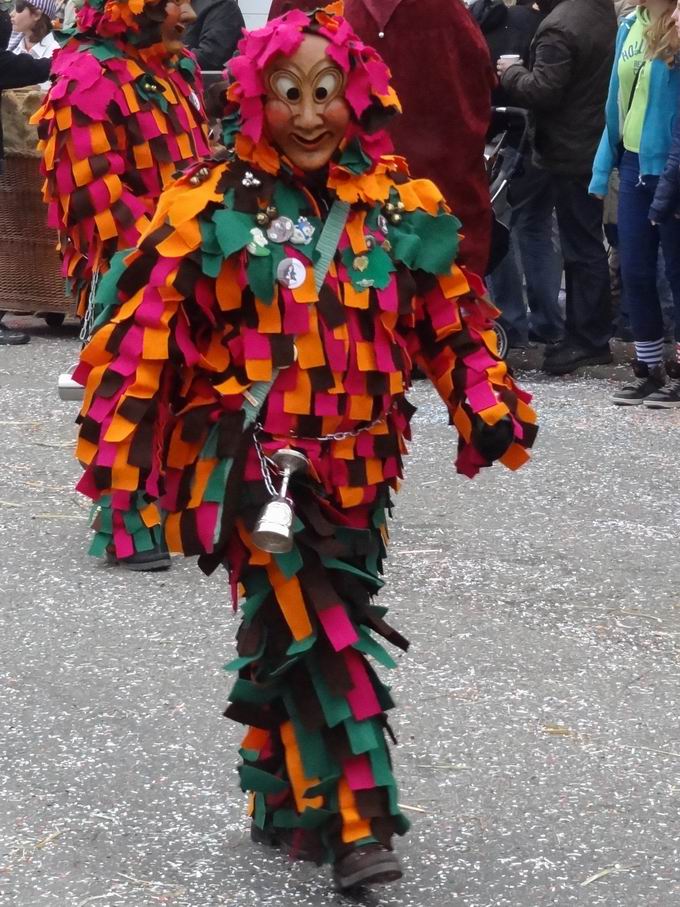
point(504, 65)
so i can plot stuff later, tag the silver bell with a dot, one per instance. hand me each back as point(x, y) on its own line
point(274, 530)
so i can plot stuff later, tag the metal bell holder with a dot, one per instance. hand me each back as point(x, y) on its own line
point(274, 530)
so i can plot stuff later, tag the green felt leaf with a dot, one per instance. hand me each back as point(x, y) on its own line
point(261, 277)
point(258, 780)
point(144, 540)
point(100, 542)
point(244, 660)
point(363, 735)
point(288, 201)
point(232, 230)
point(132, 521)
point(209, 243)
point(289, 563)
point(334, 564)
point(370, 646)
point(106, 298)
point(323, 787)
point(103, 52)
point(246, 691)
point(253, 604)
point(217, 482)
point(211, 264)
point(354, 159)
point(377, 273)
point(300, 646)
point(335, 708)
point(260, 812)
point(426, 243)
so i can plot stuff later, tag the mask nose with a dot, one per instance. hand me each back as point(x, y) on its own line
point(309, 113)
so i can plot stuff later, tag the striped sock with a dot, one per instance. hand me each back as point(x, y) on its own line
point(649, 351)
point(677, 351)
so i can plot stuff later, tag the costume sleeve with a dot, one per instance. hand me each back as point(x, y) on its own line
point(21, 70)
point(220, 33)
point(149, 394)
point(543, 88)
point(84, 145)
point(454, 343)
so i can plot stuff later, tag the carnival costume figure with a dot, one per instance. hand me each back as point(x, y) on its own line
point(253, 379)
point(124, 114)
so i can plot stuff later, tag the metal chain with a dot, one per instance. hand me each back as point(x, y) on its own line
point(89, 316)
point(266, 465)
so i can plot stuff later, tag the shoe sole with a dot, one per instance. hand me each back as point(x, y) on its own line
point(618, 401)
point(383, 873)
point(654, 404)
point(163, 563)
point(572, 367)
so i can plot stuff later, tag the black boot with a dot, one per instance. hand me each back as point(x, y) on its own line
point(648, 380)
point(151, 561)
point(368, 864)
point(668, 396)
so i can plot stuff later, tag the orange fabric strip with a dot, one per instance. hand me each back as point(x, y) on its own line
point(291, 601)
point(354, 828)
point(299, 782)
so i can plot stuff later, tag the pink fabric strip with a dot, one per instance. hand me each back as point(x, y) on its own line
point(338, 627)
point(362, 699)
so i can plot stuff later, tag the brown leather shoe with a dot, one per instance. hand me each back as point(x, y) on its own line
point(370, 864)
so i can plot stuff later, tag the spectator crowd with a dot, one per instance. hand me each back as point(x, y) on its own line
point(582, 245)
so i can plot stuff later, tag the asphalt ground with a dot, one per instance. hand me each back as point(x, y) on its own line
point(539, 755)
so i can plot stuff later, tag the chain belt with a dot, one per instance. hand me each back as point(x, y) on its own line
point(267, 465)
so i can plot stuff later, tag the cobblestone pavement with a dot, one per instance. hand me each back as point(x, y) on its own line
point(539, 753)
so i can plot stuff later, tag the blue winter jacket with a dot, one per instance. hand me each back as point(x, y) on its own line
point(667, 196)
point(657, 130)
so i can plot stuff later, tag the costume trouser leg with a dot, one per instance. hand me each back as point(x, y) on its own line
point(315, 756)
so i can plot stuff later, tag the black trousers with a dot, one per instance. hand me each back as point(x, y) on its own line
point(586, 268)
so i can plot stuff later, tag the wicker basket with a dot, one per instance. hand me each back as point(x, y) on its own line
point(29, 263)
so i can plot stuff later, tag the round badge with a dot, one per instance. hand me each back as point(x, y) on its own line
point(291, 273)
point(280, 230)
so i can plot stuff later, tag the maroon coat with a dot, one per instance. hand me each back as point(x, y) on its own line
point(443, 76)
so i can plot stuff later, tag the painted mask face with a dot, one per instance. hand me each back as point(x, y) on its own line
point(178, 17)
point(306, 115)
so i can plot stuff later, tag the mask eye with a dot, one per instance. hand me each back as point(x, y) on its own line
point(328, 86)
point(286, 87)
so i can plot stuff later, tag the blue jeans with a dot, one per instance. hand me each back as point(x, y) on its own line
point(533, 259)
point(639, 242)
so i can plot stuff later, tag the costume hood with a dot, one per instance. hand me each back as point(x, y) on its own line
point(135, 22)
point(367, 91)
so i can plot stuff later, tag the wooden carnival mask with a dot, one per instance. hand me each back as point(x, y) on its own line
point(305, 113)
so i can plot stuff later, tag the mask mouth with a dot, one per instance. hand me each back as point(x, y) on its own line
point(310, 143)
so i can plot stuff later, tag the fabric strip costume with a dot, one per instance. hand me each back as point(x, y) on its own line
point(218, 297)
point(122, 116)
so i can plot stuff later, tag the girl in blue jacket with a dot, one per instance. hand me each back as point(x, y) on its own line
point(641, 110)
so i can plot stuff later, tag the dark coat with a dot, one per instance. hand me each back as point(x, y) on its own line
point(442, 73)
point(215, 33)
point(666, 202)
point(567, 83)
point(18, 71)
point(507, 30)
